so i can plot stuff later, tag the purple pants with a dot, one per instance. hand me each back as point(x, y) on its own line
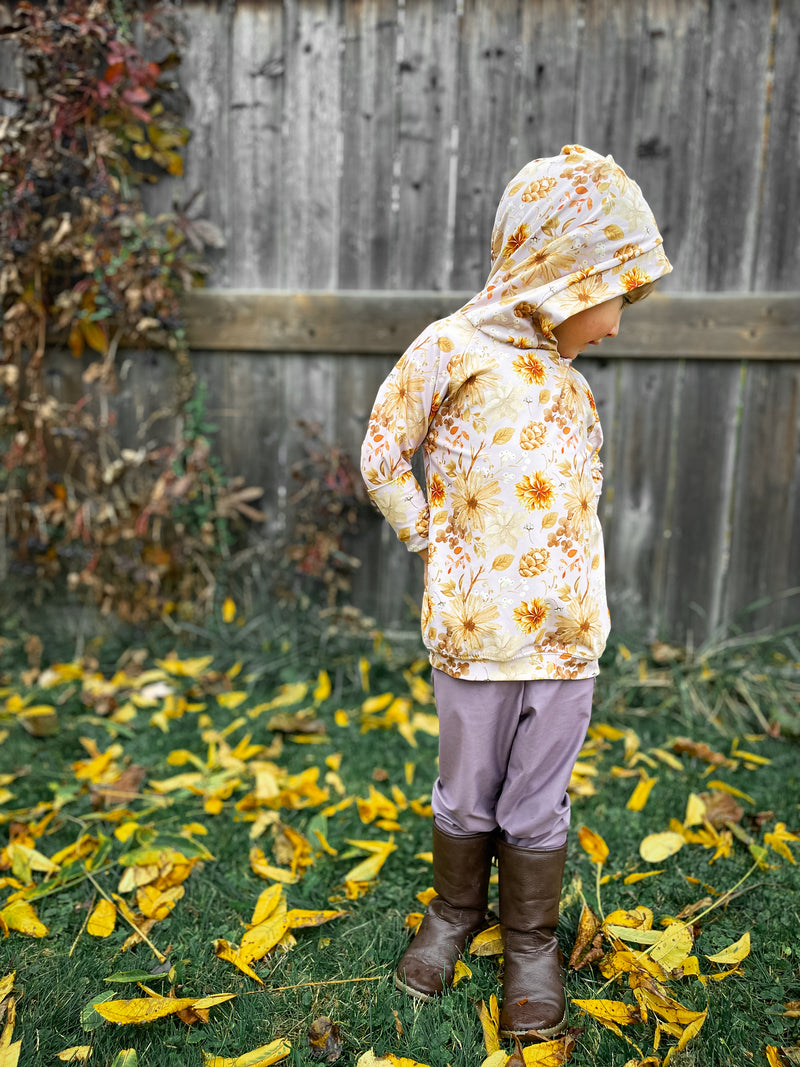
point(506, 753)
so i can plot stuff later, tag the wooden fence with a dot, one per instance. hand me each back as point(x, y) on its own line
point(359, 147)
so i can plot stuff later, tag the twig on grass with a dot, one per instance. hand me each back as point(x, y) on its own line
point(307, 985)
point(83, 926)
point(159, 955)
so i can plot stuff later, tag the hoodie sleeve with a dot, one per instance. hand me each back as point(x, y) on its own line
point(404, 407)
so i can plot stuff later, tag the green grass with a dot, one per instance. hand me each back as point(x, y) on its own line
point(56, 976)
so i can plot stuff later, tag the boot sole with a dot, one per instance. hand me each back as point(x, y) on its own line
point(548, 1031)
point(417, 994)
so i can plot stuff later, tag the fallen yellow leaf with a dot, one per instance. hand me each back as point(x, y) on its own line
point(146, 1009)
point(76, 1054)
point(488, 942)
point(593, 844)
point(611, 1013)
point(264, 1056)
point(489, 1016)
point(725, 788)
point(734, 953)
point(639, 876)
point(777, 839)
point(228, 609)
point(638, 797)
point(102, 920)
point(368, 869)
point(20, 916)
point(657, 847)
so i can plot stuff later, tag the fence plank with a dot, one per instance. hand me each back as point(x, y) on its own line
point(696, 326)
point(778, 260)
point(309, 208)
point(766, 518)
point(488, 33)
point(426, 116)
point(369, 142)
point(637, 490)
point(727, 185)
point(666, 152)
point(609, 80)
point(256, 248)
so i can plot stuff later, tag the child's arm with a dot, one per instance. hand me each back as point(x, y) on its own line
point(404, 407)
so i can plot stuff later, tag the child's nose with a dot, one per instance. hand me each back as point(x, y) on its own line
point(614, 330)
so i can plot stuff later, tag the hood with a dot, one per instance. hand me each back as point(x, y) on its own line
point(571, 231)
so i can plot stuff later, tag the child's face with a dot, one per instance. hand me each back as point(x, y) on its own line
point(588, 327)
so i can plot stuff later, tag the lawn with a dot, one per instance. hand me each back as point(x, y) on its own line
point(239, 829)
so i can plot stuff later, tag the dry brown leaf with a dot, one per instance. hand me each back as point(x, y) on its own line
point(324, 1040)
point(588, 945)
point(721, 808)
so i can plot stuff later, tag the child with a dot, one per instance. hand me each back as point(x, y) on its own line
point(514, 611)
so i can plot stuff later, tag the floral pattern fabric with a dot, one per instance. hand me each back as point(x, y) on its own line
point(510, 434)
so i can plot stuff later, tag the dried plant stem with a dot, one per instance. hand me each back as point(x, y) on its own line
point(159, 955)
point(307, 985)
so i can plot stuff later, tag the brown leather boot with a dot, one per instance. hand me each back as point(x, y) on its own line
point(461, 868)
point(533, 984)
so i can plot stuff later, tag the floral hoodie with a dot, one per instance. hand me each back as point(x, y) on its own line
point(515, 580)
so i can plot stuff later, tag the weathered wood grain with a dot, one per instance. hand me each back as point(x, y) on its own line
point(546, 104)
point(778, 237)
point(425, 128)
point(637, 489)
point(727, 183)
point(369, 95)
point(766, 520)
point(694, 326)
point(256, 246)
point(610, 78)
point(309, 206)
point(668, 126)
point(488, 35)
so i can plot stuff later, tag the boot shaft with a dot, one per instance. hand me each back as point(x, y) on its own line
point(461, 868)
point(530, 887)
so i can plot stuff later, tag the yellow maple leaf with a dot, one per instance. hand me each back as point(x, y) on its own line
point(461, 972)
point(593, 845)
point(102, 920)
point(263, 1056)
